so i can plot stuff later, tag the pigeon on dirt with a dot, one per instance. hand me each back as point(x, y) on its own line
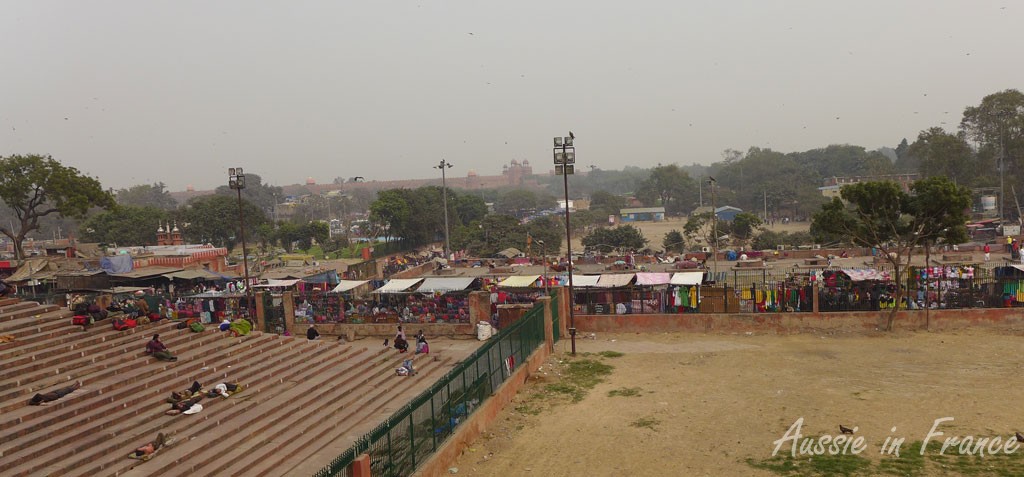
point(1020, 438)
point(845, 430)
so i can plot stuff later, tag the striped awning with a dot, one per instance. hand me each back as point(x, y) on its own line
point(399, 285)
point(524, 281)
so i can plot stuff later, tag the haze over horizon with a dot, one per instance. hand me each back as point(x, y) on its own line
point(136, 93)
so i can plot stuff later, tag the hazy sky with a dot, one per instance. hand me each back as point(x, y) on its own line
point(177, 91)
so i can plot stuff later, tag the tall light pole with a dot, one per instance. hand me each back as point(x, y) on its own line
point(444, 196)
point(236, 180)
point(565, 160)
point(544, 262)
point(714, 226)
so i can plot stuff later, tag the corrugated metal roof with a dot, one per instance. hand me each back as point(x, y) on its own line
point(147, 272)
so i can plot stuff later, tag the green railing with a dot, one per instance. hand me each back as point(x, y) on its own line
point(413, 433)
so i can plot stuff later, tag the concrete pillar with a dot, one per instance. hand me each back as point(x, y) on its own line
point(479, 307)
point(814, 299)
point(563, 311)
point(289, 312)
point(360, 467)
point(261, 313)
point(549, 333)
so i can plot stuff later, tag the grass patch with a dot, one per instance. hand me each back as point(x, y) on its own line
point(910, 462)
point(811, 466)
point(646, 422)
point(625, 392)
point(527, 408)
point(611, 354)
point(579, 377)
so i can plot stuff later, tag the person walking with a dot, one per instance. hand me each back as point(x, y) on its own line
point(988, 252)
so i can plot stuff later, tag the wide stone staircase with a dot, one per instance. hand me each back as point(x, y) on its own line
point(299, 397)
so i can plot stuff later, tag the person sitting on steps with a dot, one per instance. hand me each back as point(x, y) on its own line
point(157, 349)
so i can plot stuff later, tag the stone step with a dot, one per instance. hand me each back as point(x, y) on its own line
point(142, 410)
point(82, 369)
point(346, 412)
point(31, 445)
point(54, 340)
point(261, 378)
point(103, 399)
point(272, 408)
point(22, 310)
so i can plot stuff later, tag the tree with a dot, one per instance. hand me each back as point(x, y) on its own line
point(517, 203)
point(674, 242)
point(625, 237)
point(672, 186)
point(744, 225)
point(125, 225)
point(145, 195)
point(261, 195)
point(214, 219)
point(942, 154)
point(605, 203)
point(35, 186)
point(883, 216)
point(701, 227)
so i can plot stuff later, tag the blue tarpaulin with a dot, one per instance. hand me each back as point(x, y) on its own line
point(116, 264)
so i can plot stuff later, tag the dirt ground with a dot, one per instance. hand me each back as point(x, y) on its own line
point(710, 405)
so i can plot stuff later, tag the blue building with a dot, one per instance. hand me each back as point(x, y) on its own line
point(727, 213)
point(642, 214)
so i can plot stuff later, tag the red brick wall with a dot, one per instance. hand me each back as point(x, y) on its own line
point(791, 323)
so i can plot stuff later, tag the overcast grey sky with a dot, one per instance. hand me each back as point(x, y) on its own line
point(177, 91)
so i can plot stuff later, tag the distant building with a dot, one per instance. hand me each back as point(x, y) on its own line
point(727, 213)
point(833, 185)
point(642, 214)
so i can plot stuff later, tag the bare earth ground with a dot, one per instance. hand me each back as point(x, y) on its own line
point(710, 405)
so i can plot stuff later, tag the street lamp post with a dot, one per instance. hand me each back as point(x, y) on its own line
point(544, 263)
point(444, 197)
point(714, 226)
point(565, 160)
point(236, 180)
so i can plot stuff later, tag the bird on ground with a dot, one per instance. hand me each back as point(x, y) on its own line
point(571, 135)
point(1019, 437)
point(385, 341)
point(845, 430)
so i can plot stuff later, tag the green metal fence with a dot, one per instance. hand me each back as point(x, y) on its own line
point(413, 433)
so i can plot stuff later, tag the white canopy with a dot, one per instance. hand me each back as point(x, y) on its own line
point(347, 285)
point(687, 278)
point(444, 284)
point(585, 281)
point(519, 281)
point(615, 280)
point(399, 285)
